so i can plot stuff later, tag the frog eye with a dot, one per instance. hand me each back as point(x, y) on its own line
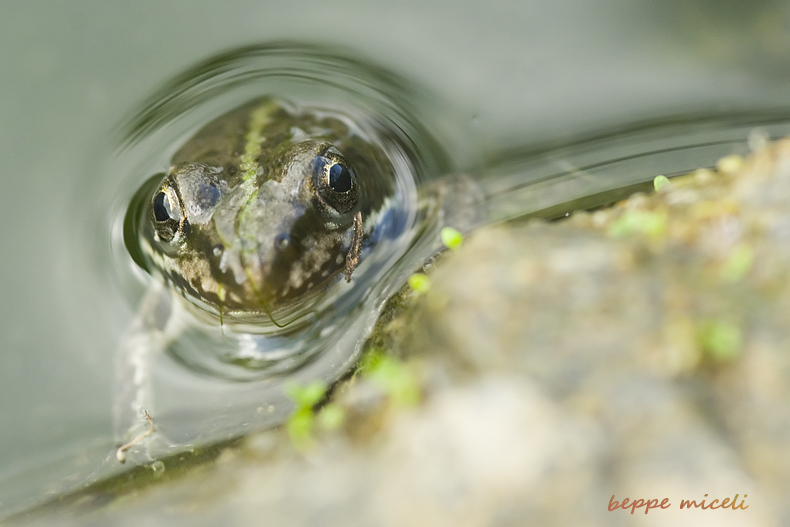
point(335, 182)
point(339, 178)
point(167, 205)
point(162, 209)
point(167, 213)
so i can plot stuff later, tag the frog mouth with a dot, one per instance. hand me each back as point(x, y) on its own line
point(292, 268)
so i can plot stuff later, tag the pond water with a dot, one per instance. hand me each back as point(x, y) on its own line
point(524, 96)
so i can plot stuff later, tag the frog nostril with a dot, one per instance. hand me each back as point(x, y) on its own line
point(281, 241)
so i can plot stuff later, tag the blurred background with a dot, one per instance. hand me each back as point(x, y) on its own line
point(512, 72)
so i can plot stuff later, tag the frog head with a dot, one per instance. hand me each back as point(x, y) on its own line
point(255, 244)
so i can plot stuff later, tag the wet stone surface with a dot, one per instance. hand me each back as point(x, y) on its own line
point(641, 351)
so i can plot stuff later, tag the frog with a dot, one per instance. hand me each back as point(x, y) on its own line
point(261, 209)
point(259, 214)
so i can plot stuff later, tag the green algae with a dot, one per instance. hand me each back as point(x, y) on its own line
point(451, 238)
point(392, 375)
point(661, 183)
point(419, 283)
point(721, 339)
point(649, 223)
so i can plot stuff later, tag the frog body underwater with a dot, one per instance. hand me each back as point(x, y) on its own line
point(261, 209)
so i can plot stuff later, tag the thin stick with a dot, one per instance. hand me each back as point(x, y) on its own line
point(121, 452)
point(352, 258)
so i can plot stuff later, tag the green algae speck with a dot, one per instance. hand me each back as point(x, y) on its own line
point(306, 396)
point(393, 376)
point(661, 183)
point(721, 339)
point(301, 422)
point(331, 417)
point(419, 283)
point(451, 238)
point(650, 223)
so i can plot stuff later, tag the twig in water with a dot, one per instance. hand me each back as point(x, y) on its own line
point(121, 452)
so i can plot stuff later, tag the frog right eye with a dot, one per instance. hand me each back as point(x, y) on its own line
point(167, 214)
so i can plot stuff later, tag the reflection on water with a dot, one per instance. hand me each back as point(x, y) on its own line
point(190, 377)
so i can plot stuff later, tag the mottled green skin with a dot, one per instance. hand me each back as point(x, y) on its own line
point(232, 212)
